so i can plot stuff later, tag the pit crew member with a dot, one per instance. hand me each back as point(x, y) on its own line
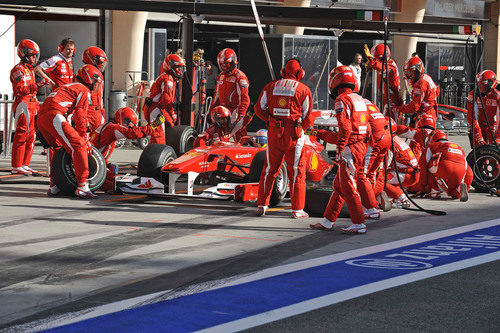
point(219, 131)
point(352, 116)
point(162, 97)
point(58, 70)
point(96, 57)
point(71, 99)
point(25, 106)
point(124, 126)
point(232, 92)
point(286, 106)
point(443, 165)
point(375, 58)
point(486, 83)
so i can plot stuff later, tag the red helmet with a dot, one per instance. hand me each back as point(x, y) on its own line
point(436, 136)
point(125, 116)
point(221, 117)
point(227, 60)
point(27, 48)
point(342, 77)
point(175, 65)
point(377, 51)
point(486, 80)
point(90, 76)
point(426, 121)
point(413, 68)
point(293, 69)
point(96, 57)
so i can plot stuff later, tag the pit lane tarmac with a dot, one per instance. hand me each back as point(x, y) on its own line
point(63, 255)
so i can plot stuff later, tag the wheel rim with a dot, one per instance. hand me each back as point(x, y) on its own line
point(281, 183)
point(488, 168)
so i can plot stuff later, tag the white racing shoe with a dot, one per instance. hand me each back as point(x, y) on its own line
point(299, 214)
point(355, 229)
point(464, 196)
point(372, 213)
point(401, 202)
point(53, 191)
point(325, 224)
point(84, 192)
point(385, 201)
point(27, 168)
point(261, 211)
point(20, 171)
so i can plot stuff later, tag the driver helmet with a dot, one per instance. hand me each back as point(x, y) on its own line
point(260, 138)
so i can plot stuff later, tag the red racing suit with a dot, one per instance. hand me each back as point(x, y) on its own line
point(407, 168)
point(286, 106)
point(423, 128)
point(24, 110)
point(161, 102)
point(211, 134)
point(59, 69)
point(104, 138)
point(96, 109)
point(443, 167)
point(423, 98)
point(232, 92)
point(394, 97)
point(352, 116)
point(491, 102)
point(72, 98)
point(380, 141)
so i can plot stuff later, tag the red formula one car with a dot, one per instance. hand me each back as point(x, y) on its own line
point(224, 170)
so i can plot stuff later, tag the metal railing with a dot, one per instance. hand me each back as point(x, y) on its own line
point(8, 124)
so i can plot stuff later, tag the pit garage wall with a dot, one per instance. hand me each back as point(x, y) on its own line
point(49, 34)
point(7, 58)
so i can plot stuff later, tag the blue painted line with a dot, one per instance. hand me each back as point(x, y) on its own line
point(227, 304)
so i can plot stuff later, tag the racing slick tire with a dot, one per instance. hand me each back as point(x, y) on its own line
point(63, 173)
point(317, 198)
point(180, 138)
point(487, 166)
point(153, 158)
point(280, 187)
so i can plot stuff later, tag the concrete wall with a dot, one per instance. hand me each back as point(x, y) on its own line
point(128, 45)
point(491, 38)
point(293, 30)
point(48, 34)
point(403, 46)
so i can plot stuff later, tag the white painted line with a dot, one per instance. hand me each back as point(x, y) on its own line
point(70, 318)
point(320, 302)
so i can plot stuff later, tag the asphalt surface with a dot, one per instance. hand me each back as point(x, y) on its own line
point(62, 254)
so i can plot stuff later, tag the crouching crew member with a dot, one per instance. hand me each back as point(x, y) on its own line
point(444, 167)
point(162, 97)
point(25, 106)
point(286, 106)
point(124, 126)
point(96, 57)
point(71, 99)
point(486, 83)
point(352, 116)
point(232, 92)
point(220, 130)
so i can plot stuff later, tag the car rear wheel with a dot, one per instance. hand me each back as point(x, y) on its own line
point(63, 173)
point(180, 138)
point(280, 187)
point(153, 158)
point(487, 167)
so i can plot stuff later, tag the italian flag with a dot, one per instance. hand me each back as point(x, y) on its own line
point(368, 15)
point(462, 29)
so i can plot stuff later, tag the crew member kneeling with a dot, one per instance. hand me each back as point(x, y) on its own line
point(286, 105)
point(72, 98)
point(445, 168)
